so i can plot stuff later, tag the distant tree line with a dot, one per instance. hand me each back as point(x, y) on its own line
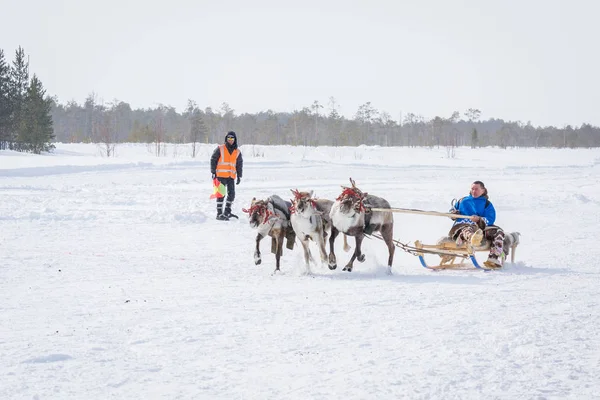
point(30, 121)
point(25, 119)
point(313, 125)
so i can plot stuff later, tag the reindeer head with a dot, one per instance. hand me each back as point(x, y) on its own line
point(351, 199)
point(302, 202)
point(258, 213)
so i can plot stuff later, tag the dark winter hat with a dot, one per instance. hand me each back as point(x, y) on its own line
point(231, 134)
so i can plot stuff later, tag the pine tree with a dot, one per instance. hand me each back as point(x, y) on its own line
point(197, 126)
point(35, 131)
point(19, 86)
point(198, 131)
point(474, 139)
point(6, 103)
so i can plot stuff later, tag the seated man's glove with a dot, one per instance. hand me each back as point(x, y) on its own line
point(238, 181)
point(214, 175)
point(453, 211)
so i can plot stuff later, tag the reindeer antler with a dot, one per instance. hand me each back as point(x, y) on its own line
point(296, 193)
point(353, 188)
point(356, 189)
point(355, 193)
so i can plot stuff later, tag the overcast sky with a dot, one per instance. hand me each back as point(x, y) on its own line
point(523, 60)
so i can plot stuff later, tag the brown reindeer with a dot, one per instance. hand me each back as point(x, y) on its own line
point(351, 214)
point(271, 217)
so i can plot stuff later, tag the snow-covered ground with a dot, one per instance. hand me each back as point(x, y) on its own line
point(116, 281)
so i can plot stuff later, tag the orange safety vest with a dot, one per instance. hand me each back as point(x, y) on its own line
point(226, 164)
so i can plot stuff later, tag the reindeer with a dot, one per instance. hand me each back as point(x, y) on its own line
point(310, 220)
point(271, 217)
point(351, 214)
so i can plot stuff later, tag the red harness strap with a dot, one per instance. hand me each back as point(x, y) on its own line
point(300, 196)
point(348, 192)
point(260, 208)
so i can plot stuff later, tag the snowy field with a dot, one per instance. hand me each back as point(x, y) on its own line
point(116, 281)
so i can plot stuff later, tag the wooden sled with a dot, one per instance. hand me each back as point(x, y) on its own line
point(449, 252)
point(447, 249)
point(451, 255)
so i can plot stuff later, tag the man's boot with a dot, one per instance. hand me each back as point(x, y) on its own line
point(219, 209)
point(228, 213)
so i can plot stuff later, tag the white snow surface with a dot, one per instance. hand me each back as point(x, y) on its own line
point(117, 281)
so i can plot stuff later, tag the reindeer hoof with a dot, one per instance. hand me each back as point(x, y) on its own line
point(347, 268)
point(360, 258)
point(256, 262)
point(332, 267)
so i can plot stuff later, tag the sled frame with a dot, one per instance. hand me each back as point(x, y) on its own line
point(449, 253)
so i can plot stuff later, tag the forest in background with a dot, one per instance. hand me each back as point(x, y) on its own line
point(30, 120)
point(313, 125)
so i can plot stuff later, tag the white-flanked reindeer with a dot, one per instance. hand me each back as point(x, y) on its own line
point(310, 220)
point(351, 214)
point(271, 217)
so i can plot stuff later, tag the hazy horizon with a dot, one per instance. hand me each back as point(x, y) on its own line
point(518, 61)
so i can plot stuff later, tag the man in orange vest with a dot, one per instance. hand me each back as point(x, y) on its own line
point(226, 165)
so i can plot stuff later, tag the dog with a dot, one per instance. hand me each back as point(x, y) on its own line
point(511, 241)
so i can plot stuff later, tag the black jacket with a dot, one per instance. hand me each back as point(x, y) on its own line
point(214, 159)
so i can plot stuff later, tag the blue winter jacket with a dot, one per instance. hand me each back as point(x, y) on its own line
point(470, 205)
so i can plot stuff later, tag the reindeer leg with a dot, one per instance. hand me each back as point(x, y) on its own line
point(332, 259)
point(257, 258)
point(360, 256)
point(387, 232)
point(310, 256)
point(356, 255)
point(306, 254)
point(279, 239)
point(325, 228)
point(346, 246)
point(322, 249)
point(349, 266)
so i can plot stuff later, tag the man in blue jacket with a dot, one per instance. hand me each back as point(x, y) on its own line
point(479, 225)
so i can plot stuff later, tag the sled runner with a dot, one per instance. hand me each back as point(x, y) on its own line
point(449, 253)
